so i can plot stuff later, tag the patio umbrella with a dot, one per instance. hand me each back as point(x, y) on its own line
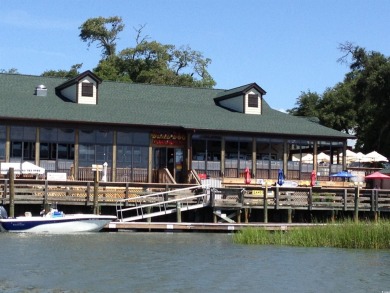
point(343, 174)
point(377, 175)
point(375, 157)
point(307, 158)
point(322, 157)
point(280, 177)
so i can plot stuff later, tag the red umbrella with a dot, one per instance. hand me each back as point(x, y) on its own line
point(377, 175)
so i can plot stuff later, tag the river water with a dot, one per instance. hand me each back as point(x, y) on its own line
point(181, 262)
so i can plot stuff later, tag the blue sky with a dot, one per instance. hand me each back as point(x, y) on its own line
point(284, 46)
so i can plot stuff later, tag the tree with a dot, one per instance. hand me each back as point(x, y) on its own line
point(359, 104)
point(104, 31)
point(336, 109)
point(370, 83)
point(73, 72)
point(146, 62)
point(9, 71)
point(307, 105)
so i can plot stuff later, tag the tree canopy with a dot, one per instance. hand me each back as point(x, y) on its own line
point(145, 62)
point(357, 105)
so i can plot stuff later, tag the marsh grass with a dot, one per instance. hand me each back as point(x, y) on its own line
point(346, 234)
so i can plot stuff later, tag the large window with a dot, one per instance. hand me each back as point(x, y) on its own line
point(132, 156)
point(22, 143)
point(238, 155)
point(206, 155)
point(56, 144)
point(95, 147)
point(269, 157)
point(2, 142)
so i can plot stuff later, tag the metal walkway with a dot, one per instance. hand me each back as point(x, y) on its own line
point(161, 203)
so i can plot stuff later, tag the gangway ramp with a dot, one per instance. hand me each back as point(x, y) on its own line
point(161, 203)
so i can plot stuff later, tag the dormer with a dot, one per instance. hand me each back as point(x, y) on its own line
point(247, 99)
point(83, 89)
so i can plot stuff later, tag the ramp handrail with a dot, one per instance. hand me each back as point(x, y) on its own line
point(161, 201)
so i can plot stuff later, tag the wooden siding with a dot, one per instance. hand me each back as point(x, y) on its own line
point(87, 100)
point(252, 110)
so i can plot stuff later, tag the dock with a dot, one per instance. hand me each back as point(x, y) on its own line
point(200, 227)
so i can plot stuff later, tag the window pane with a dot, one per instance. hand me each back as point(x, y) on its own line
point(87, 136)
point(87, 89)
point(2, 132)
point(253, 101)
point(48, 134)
point(66, 135)
point(104, 137)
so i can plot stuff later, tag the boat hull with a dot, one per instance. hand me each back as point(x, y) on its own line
point(65, 224)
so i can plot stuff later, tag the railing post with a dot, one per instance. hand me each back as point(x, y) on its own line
point(345, 199)
point(265, 203)
point(96, 193)
point(356, 211)
point(376, 205)
point(5, 191)
point(11, 174)
point(310, 199)
point(178, 212)
point(45, 195)
point(127, 194)
point(212, 196)
point(276, 198)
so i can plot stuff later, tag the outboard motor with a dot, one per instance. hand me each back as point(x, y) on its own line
point(3, 213)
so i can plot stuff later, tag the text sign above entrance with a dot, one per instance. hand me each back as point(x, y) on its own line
point(169, 139)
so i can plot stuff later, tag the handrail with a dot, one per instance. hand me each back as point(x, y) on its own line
point(161, 201)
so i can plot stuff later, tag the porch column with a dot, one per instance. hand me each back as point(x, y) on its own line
point(150, 161)
point(315, 153)
point(254, 157)
point(187, 160)
point(76, 155)
point(285, 157)
point(223, 157)
point(7, 143)
point(114, 156)
point(344, 159)
point(37, 146)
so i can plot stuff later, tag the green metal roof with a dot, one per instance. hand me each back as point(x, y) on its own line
point(148, 105)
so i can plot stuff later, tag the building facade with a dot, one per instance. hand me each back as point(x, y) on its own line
point(67, 126)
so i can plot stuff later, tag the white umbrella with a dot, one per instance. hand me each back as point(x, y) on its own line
point(350, 156)
point(24, 168)
point(30, 168)
point(322, 157)
point(307, 158)
point(375, 157)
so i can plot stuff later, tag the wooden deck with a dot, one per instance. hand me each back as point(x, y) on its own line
point(199, 227)
point(237, 200)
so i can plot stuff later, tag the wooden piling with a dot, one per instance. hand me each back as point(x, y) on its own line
point(289, 215)
point(265, 204)
point(11, 174)
point(356, 210)
point(246, 215)
point(96, 193)
point(178, 212)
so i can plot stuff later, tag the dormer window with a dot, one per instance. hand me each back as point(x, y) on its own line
point(87, 89)
point(253, 101)
point(247, 99)
point(83, 89)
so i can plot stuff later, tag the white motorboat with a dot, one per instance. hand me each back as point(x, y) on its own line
point(54, 222)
